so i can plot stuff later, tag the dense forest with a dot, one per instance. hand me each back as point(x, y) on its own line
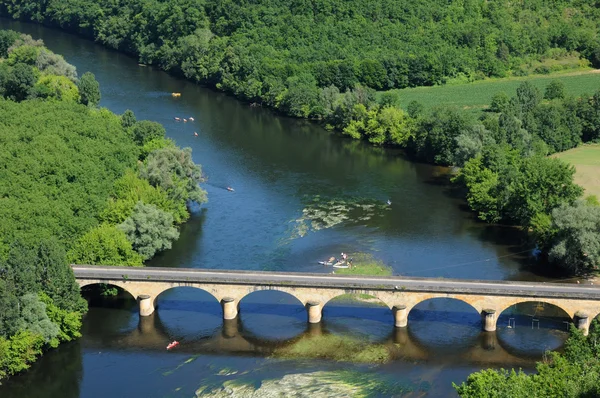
point(284, 54)
point(573, 373)
point(78, 184)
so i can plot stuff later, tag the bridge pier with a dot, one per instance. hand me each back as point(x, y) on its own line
point(489, 341)
point(488, 320)
point(230, 328)
point(314, 311)
point(400, 316)
point(146, 304)
point(315, 329)
point(230, 310)
point(582, 322)
point(146, 324)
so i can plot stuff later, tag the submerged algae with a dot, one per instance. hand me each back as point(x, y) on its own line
point(346, 383)
point(337, 348)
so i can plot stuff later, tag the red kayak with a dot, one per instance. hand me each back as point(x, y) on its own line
point(173, 344)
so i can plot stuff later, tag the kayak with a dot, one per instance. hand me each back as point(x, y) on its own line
point(325, 263)
point(173, 344)
point(339, 265)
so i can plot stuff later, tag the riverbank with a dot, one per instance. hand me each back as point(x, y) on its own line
point(79, 185)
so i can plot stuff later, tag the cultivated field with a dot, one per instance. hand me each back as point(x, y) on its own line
point(478, 95)
point(586, 160)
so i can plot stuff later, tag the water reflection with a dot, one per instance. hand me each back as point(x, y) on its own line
point(443, 342)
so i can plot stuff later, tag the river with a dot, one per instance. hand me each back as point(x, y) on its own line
point(302, 194)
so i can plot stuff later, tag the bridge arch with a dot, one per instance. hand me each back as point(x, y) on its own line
point(84, 284)
point(272, 315)
point(172, 288)
point(569, 312)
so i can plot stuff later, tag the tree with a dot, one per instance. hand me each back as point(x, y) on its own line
point(56, 277)
point(7, 39)
point(9, 306)
point(389, 98)
point(576, 242)
point(528, 97)
point(59, 88)
point(129, 190)
point(574, 373)
point(500, 102)
point(147, 130)
point(34, 319)
point(104, 245)
point(173, 170)
point(89, 90)
point(54, 64)
point(415, 109)
point(149, 229)
point(20, 81)
point(555, 90)
point(128, 119)
point(470, 142)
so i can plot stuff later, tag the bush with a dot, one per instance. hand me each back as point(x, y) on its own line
point(149, 229)
point(104, 245)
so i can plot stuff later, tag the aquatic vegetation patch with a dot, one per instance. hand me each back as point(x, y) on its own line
point(337, 348)
point(365, 264)
point(322, 213)
point(346, 383)
point(359, 298)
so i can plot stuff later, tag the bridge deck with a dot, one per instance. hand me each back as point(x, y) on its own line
point(291, 279)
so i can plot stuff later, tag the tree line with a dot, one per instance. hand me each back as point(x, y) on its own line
point(573, 373)
point(284, 54)
point(78, 184)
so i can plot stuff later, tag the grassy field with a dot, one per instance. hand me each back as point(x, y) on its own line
point(478, 95)
point(586, 160)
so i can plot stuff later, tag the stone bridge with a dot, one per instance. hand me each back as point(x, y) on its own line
point(401, 294)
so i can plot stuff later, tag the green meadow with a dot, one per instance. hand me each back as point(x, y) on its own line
point(586, 159)
point(478, 95)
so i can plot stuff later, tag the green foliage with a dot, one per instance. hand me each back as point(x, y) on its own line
point(89, 89)
point(173, 170)
point(499, 102)
point(7, 39)
point(149, 229)
point(61, 160)
point(502, 185)
point(17, 352)
point(128, 118)
point(23, 55)
point(33, 318)
point(129, 190)
point(56, 278)
point(104, 245)
point(54, 64)
point(145, 131)
point(575, 373)
point(68, 322)
point(555, 90)
point(56, 87)
point(576, 242)
point(155, 144)
point(19, 82)
point(435, 137)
